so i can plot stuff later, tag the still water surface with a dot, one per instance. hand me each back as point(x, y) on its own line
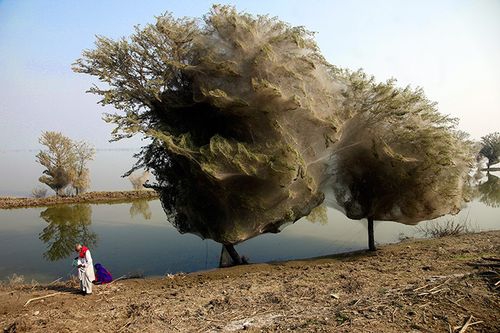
point(136, 238)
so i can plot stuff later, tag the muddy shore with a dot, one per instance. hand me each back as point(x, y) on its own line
point(89, 198)
point(414, 286)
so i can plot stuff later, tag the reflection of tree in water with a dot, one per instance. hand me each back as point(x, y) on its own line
point(140, 207)
point(67, 225)
point(489, 191)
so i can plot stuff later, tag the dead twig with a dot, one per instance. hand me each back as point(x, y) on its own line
point(392, 315)
point(421, 287)
point(126, 325)
point(436, 287)
point(483, 264)
point(458, 275)
point(490, 258)
point(437, 291)
point(41, 297)
point(56, 280)
point(120, 278)
point(424, 305)
point(467, 324)
point(456, 303)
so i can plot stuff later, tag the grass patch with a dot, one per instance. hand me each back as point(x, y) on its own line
point(438, 229)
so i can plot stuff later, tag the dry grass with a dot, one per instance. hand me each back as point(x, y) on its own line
point(438, 229)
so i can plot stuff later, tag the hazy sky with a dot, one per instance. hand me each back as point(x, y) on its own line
point(450, 48)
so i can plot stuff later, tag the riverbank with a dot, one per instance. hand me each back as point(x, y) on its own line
point(87, 198)
point(414, 286)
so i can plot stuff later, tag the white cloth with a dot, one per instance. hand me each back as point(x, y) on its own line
point(86, 272)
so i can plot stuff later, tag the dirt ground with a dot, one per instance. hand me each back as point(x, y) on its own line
point(89, 197)
point(414, 286)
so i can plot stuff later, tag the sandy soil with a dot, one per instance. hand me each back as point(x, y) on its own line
point(414, 286)
point(89, 197)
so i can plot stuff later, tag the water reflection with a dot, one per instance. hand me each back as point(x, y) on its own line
point(489, 191)
point(67, 225)
point(140, 207)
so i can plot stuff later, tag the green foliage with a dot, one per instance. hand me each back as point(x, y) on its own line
point(490, 148)
point(250, 127)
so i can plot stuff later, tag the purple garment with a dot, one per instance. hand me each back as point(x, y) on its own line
point(102, 274)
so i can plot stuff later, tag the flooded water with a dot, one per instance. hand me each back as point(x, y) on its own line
point(136, 238)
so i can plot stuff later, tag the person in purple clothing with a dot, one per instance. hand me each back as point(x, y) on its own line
point(102, 274)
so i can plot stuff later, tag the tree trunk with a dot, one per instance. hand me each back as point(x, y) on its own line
point(371, 236)
point(234, 255)
point(230, 250)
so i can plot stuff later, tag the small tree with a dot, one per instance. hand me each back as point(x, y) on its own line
point(39, 192)
point(139, 180)
point(491, 148)
point(84, 153)
point(59, 160)
point(65, 162)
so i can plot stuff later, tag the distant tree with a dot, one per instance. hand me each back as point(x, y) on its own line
point(58, 159)
point(65, 161)
point(84, 153)
point(139, 180)
point(39, 192)
point(491, 148)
